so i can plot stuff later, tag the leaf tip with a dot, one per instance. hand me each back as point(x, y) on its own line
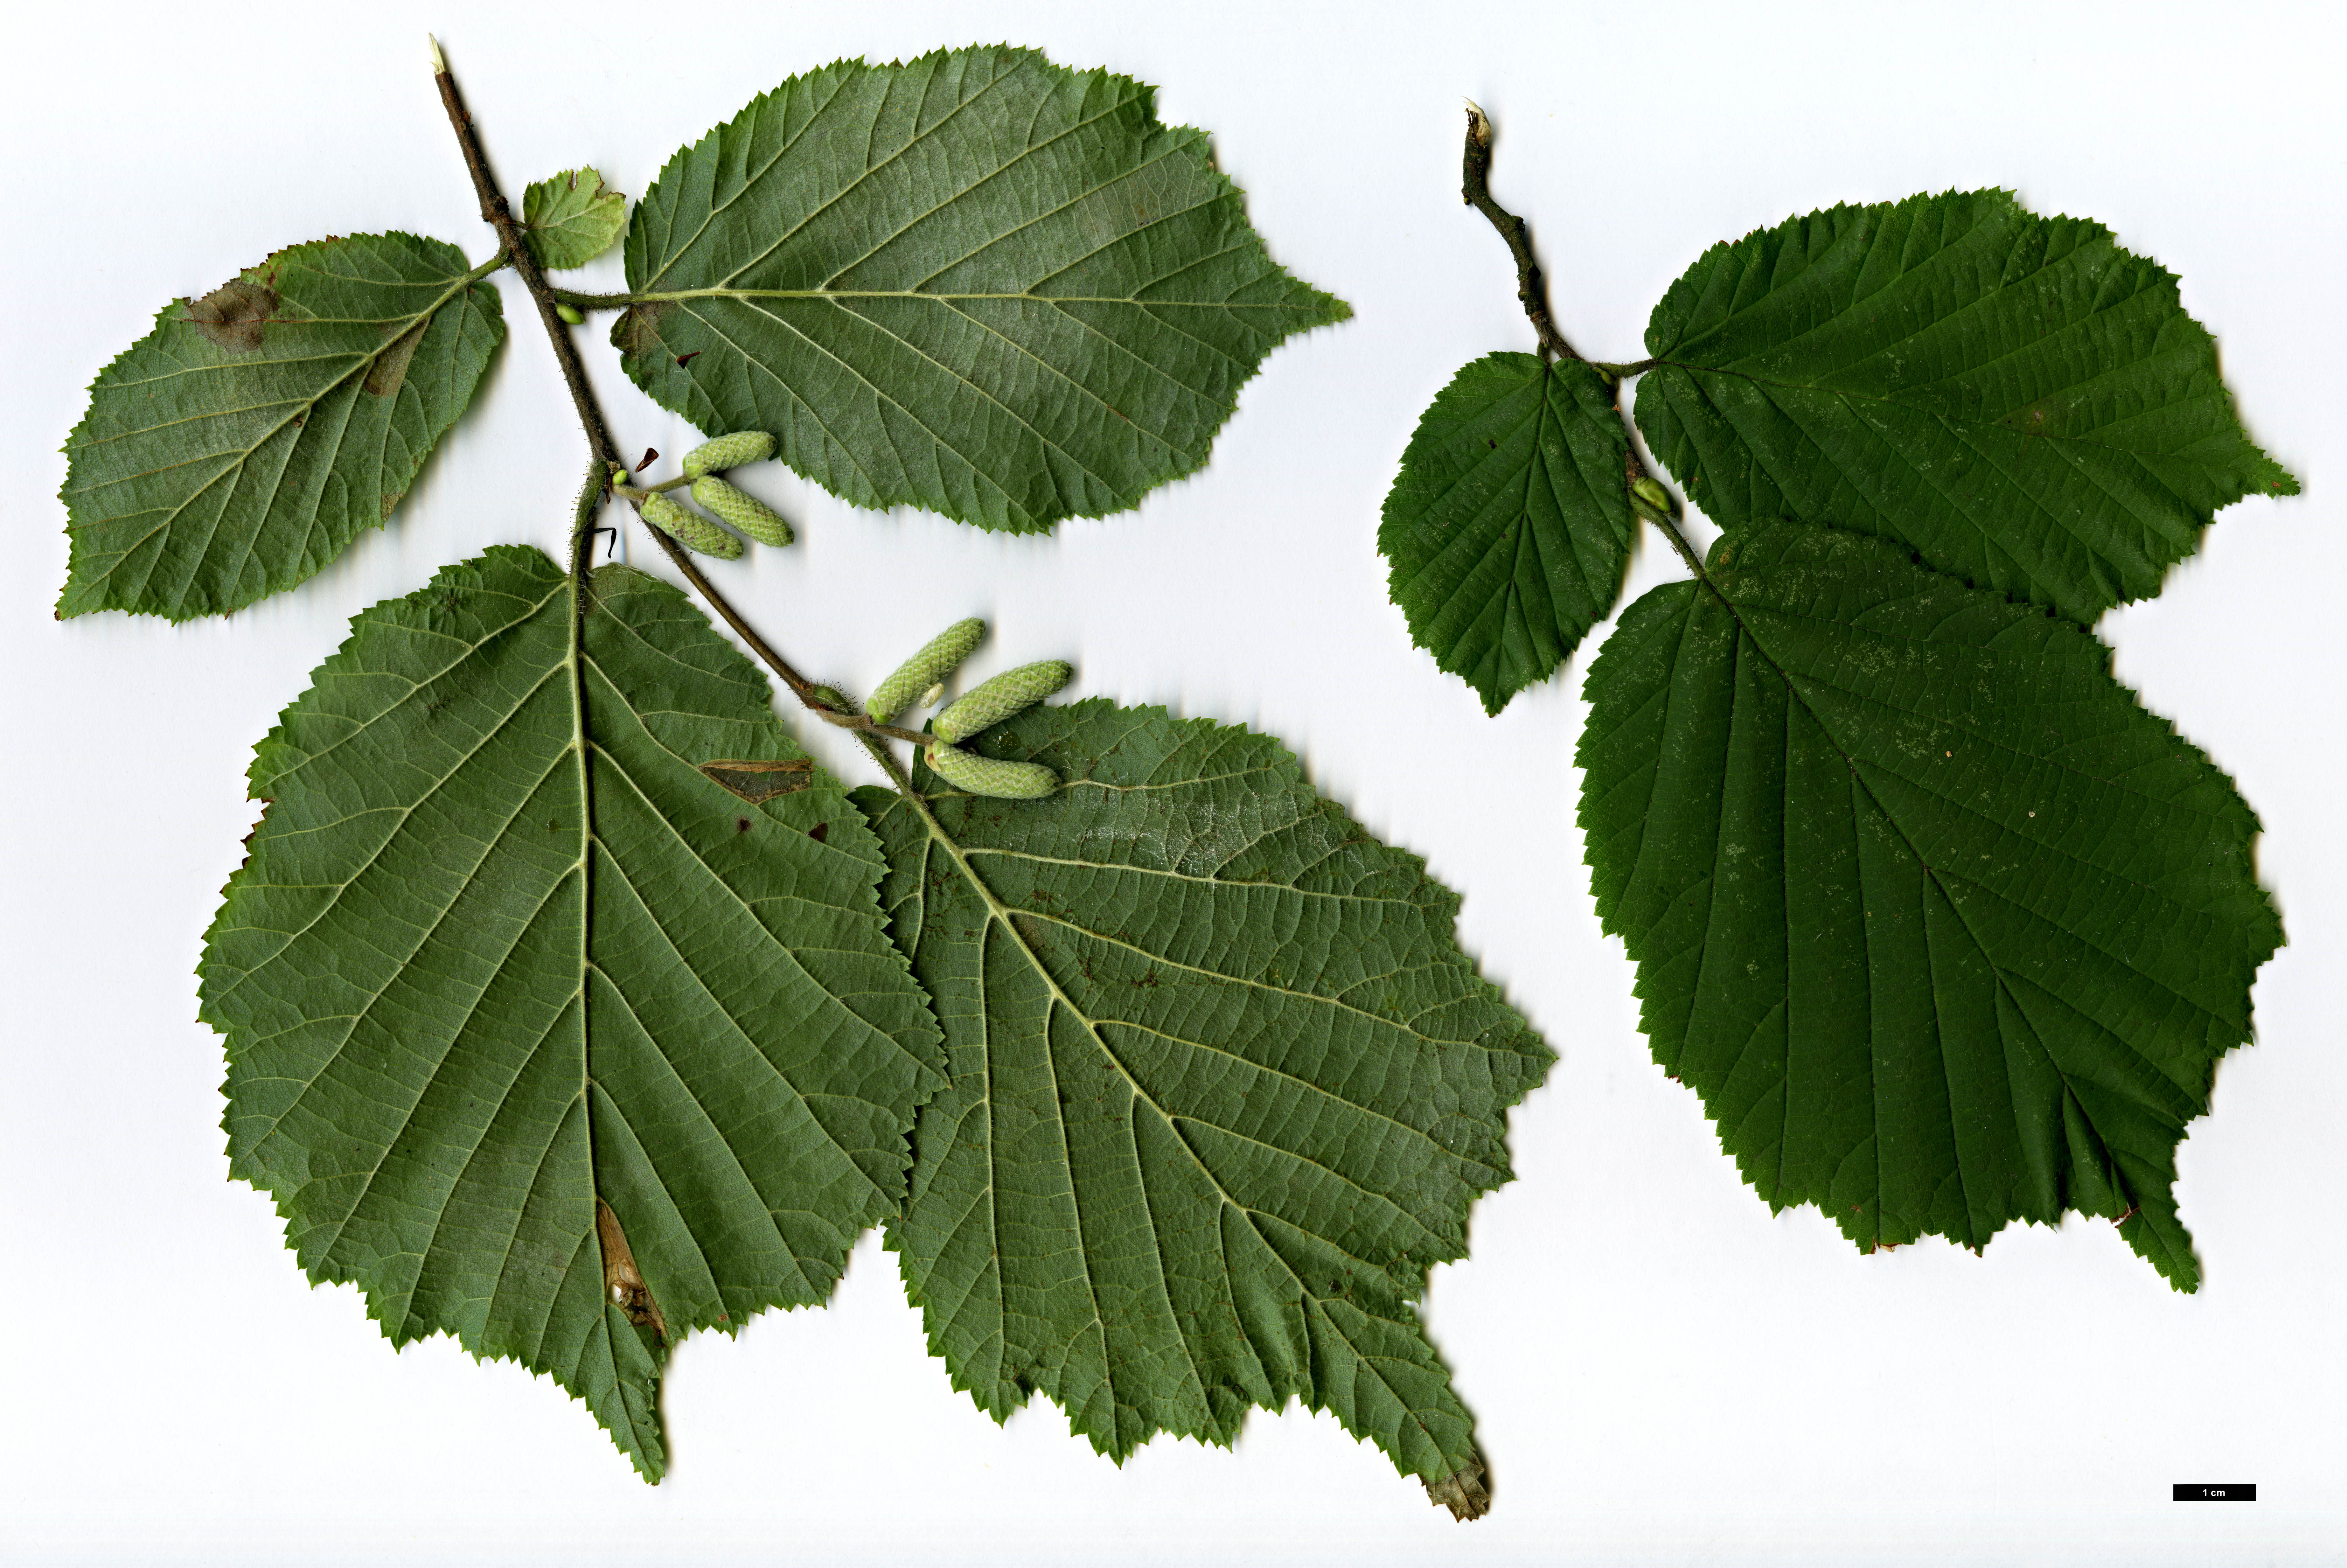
point(1465, 1492)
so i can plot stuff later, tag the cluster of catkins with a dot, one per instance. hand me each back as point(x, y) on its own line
point(736, 508)
point(989, 703)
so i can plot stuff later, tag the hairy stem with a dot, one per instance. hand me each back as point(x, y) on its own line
point(604, 455)
point(1662, 520)
point(1475, 189)
point(1531, 292)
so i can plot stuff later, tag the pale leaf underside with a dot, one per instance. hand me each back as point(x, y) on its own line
point(975, 283)
point(246, 441)
point(503, 953)
point(2016, 397)
point(1509, 525)
point(1946, 930)
point(1223, 1087)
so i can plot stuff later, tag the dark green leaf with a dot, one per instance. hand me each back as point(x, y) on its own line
point(1510, 522)
point(1946, 930)
point(536, 1033)
point(975, 283)
point(1222, 1088)
point(571, 218)
point(2015, 397)
point(241, 445)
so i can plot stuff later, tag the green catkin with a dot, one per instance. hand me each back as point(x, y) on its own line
point(991, 776)
point(728, 452)
point(1012, 691)
point(933, 663)
point(690, 528)
point(742, 511)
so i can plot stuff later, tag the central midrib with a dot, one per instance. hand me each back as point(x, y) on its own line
point(939, 296)
point(582, 754)
point(1953, 422)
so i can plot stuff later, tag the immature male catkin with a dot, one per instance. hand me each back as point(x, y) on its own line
point(742, 509)
point(991, 775)
point(934, 662)
point(991, 701)
point(690, 528)
point(728, 452)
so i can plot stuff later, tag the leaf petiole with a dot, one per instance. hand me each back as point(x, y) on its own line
point(579, 301)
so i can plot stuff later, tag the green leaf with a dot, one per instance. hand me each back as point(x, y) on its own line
point(560, 1011)
point(1943, 927)
point(1222, 1088)
point(975, 283)
point(571, 218)
point(2016, 397)
point(1509, 525)
point(241, 445)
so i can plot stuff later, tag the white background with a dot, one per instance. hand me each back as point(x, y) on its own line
point(1664, 1372)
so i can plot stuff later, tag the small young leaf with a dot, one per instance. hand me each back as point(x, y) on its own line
point(538, 1032)
point(1509, 525)
point(1223, 1087)
point(571, 218)
point(975, 283)
point(1944, 929)
point(2016, 397)
point(241, 445)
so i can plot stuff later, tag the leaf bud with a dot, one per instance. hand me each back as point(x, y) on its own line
point(1012, 691)
point(690, 528)
point(830, 697)
point(728, 452)
point(991, 776)
point(569, 314)
point(937, 660)
point(741, 511)
point(1645, 487)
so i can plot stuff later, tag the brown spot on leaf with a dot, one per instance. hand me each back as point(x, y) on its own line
point(390, 499)
point(235, 315)
point(819, 832)
point(623, 1286)
point(758, 782)
point(389, 371)
point(637, 329)
point(684, 359)
point(1466, 1492)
